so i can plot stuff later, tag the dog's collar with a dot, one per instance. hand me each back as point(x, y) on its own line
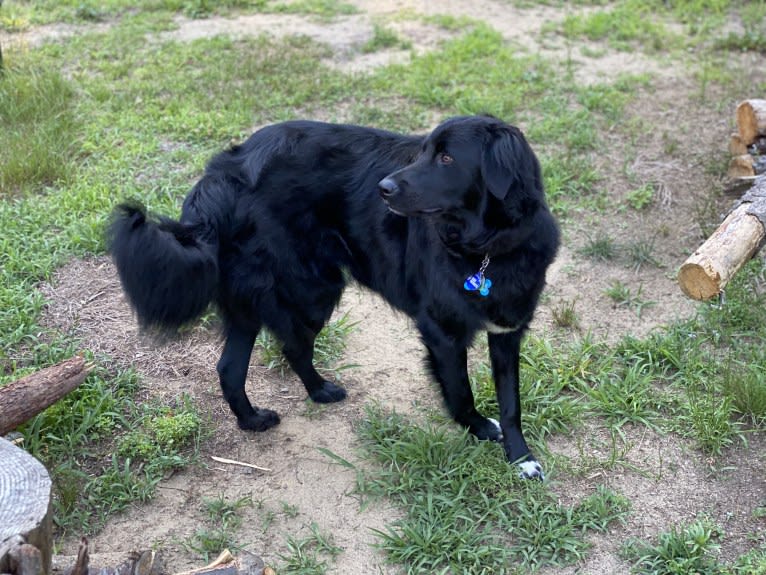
point(478, 281)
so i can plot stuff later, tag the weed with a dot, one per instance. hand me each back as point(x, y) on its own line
point(621, 295)
point(626, 397)
point(602, 248)
point(310, 555)
point(744, 384)
point(641, 198)
point(290, 510)
point(383, 39)
point(709, 420)
point(641, 252)
point(223, 518)
point(681, 551)
point(564, 314)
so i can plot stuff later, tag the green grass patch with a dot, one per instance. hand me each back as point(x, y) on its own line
point(650, 26)
point(465, 508)
point(689, 550)
point(104, 450)
point(39, 139)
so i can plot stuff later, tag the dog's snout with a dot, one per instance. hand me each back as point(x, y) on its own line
point(388, 187)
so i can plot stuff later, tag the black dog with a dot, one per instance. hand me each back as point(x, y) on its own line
point(460, 242)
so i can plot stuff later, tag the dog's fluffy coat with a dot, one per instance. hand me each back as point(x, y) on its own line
point(276, 225)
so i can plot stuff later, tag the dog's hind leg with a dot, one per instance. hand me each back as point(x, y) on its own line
point(298, 349)
point(232, 371)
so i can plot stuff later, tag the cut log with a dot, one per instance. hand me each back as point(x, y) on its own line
point(24, 398)
point(751, 120)
point(741, 166)
point(736, 146)
point(707, 271)
point(25, 513)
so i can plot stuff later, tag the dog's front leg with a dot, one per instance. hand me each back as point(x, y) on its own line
point(447, 358)
point(504, 352)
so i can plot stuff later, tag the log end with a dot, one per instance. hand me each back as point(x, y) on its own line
point(750, 117)
point(699, 283)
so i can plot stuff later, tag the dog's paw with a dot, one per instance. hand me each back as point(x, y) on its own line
point(261, 420)
point(531, 470)
point(487, 430)
point(328, 393)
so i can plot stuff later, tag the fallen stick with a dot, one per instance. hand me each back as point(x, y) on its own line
point(224, 558)
point(707, 271)
point(241, 463)
point(24, 398)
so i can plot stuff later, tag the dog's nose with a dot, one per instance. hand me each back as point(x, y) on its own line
point(387, 187)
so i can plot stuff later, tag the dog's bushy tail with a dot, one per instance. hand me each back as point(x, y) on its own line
point(168, 269)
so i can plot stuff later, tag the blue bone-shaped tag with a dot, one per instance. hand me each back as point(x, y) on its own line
point(478, 282)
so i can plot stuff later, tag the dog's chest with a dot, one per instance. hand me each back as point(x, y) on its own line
point(492, 327)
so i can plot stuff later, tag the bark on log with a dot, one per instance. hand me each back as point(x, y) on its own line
point(707, 271)
point(751, 120)
point(25, 513)
point(24, 398)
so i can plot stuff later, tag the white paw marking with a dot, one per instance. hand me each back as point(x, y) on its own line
point(496, 423)
point(531, 470)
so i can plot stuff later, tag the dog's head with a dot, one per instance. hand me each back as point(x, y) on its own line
point(475, 176)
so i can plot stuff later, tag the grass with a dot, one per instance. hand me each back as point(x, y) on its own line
point(328, 347)
point(39, 125)
point(688, 550)
point(464, 508)
point(383, 38)
point(309, 555)
point(87, 122)
point(600, 248)
point(222, 518)
point(564, 314)
point(622, 296)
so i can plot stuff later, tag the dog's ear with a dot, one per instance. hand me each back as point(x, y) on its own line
point(511, 171)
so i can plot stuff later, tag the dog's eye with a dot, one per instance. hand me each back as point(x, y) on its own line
point(444, 158)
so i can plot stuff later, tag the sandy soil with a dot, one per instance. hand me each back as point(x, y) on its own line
point(86, 301)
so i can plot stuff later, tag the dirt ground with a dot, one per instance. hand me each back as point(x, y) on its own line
point(86, 301)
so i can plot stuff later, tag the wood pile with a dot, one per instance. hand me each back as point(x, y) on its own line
point(748, 145)
point(707, 271)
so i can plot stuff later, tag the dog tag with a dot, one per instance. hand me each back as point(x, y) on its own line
point(472, 283)
point(477, 282)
